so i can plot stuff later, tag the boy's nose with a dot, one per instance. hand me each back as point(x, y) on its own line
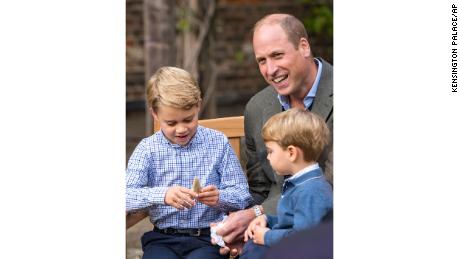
point(181, 129)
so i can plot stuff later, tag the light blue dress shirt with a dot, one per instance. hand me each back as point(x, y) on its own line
point(310, 97)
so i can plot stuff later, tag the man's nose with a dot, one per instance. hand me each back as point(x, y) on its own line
point(271, 68)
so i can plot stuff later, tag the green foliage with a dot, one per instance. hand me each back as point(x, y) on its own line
point(239, 56)
point(320, 21)
point(319, 18)
point(183, 23)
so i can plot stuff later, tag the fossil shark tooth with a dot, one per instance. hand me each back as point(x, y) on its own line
point(196, 186)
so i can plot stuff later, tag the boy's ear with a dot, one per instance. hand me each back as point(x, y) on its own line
point(153, 113)
point(293, 153)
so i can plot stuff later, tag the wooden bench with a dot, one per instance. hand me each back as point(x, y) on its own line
point(232, 127)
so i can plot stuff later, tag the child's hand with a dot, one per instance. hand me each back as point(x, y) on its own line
point(260, 221)
point(259, 234)
point(180, 197)
point(209, 195)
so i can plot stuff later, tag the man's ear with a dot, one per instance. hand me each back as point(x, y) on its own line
point(304, 47)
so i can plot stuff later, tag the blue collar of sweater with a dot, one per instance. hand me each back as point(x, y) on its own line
point(315, 173)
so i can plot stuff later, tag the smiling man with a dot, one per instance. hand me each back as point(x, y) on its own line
point(296, 79)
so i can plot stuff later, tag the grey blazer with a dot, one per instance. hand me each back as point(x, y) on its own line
point(265, 185)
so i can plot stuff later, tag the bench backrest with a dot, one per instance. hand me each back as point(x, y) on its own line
point(232, 127)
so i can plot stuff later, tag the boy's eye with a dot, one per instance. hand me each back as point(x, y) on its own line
point(170, 123)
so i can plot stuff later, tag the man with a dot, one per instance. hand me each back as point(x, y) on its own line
point(296, 79)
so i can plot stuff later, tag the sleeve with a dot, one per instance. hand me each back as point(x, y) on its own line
point(271, 220)
point(326, 158)
point(138, 194)
point(259, 184)
point(233, 190)
point(308, 213)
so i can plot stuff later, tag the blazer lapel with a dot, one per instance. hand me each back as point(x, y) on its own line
point(323, 102)
point(272, 107)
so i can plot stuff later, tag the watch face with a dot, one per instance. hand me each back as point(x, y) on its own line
point(257, 211)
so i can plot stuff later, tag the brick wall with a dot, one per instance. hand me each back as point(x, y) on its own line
point(134, 51)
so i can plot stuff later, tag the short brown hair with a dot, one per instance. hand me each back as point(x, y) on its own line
point(300, 128)
point(173, 87)
point(293, 27)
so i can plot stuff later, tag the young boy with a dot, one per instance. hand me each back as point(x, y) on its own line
point(163, 167)
point(294, 141)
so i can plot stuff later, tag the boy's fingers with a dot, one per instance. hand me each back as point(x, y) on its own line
point(188, 191)
point(247, 235)
point(187, 199)
point(256, 228)
point(178, 206)
point(212, 198)
point(208, 188)
point(250, 234)
point(208, 194)
point(186, 204)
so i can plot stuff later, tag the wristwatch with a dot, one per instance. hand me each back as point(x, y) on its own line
point(257, 210)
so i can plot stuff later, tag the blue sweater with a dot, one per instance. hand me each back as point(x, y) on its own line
point(305, 200)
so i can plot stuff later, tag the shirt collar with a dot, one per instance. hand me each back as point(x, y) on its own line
point(308, 100)
point(307, 173)
point(196, 139)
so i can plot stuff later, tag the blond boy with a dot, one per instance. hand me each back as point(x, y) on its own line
point(294, 140)
point(163, 167)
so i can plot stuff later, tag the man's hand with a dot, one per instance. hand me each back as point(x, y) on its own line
point(259, 234)
point(234, 249)
point(260, 221)
point(232, 231)
point(180, 197)
point(235, 225)
point(209, 195)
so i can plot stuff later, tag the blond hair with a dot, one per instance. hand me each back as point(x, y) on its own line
point(299, 128)
point(293, 27)
point(173, 87)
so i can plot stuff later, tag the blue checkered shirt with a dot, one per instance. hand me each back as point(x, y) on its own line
point(156, 165)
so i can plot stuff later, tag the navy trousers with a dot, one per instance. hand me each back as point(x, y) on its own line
point(253, 251)
point(165, 246)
